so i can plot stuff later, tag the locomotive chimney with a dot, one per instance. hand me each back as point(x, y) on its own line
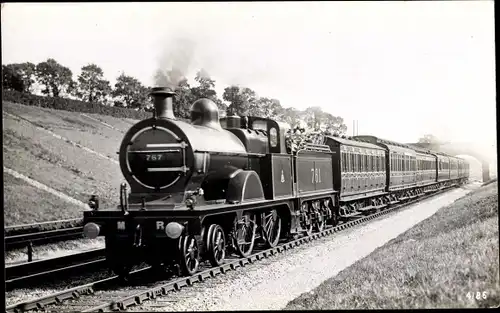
point(162, 100)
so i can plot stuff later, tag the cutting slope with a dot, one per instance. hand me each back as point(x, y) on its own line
point(70, 152)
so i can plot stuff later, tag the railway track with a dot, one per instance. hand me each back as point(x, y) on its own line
point(20, 275)
point(42, 233)
point(106, 295)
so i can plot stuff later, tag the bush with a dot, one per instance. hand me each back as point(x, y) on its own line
point(71, 105)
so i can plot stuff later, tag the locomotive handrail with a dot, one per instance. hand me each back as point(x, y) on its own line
point(232, 153)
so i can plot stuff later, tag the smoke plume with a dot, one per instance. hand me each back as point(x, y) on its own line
point(175, 61)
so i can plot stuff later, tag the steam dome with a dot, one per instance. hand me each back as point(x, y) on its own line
point(204, 112)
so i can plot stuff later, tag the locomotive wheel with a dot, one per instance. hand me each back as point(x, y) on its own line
point(216, 245)
point(306, 221)
point(271, 228)
point(244, 237)
point(334, 220)
point(188, 255)
point(319, 222)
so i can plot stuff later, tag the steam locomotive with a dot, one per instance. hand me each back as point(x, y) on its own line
point(202, 190)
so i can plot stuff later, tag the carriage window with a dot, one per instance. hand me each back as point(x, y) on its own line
point(349, 162)
point(353, 159)
point(273, 137)
point(344, 161)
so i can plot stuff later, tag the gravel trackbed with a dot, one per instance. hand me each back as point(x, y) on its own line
point(272, 283)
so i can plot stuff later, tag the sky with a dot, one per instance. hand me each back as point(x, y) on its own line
point(401, 69)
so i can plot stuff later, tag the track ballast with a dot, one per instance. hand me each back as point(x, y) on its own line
point(98, 297)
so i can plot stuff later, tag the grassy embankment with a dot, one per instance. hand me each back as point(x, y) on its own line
point(56, 163)
point(450, 260)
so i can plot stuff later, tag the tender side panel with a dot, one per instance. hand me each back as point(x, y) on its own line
point(305, 183)
point(322, 174)
point(314, 173)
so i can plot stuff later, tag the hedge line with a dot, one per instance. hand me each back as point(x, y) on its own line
point(71, 105)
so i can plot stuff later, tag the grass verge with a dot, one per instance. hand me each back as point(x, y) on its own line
point(36, 204)
point(56, 163)
point(450, 260)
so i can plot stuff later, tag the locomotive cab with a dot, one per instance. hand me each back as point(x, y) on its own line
point(258, 135)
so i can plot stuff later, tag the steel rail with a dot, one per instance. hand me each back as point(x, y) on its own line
point(28, 272)
point(177, 284)
point(42, 237)
point(25, 228)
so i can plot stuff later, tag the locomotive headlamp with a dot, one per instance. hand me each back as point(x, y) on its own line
point(91, 230)
point(174, 230)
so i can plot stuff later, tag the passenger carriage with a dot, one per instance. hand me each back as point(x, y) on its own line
point(401, 167)
point(443, 167)
point(362, 175)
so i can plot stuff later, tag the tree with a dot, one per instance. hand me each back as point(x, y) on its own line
point(130, 92)
point(206, 86)
point(314, 117)
point(334, 124)
point(429, 139)
point(292, 116)
point(266, 107)
point(18, 76)
point(54, 76)
point(92, 87)
point(240, 99)
point(183, 99)
point(11, 79)
point(206, 89)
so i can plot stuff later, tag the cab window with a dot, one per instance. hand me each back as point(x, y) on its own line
point(273, 137)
